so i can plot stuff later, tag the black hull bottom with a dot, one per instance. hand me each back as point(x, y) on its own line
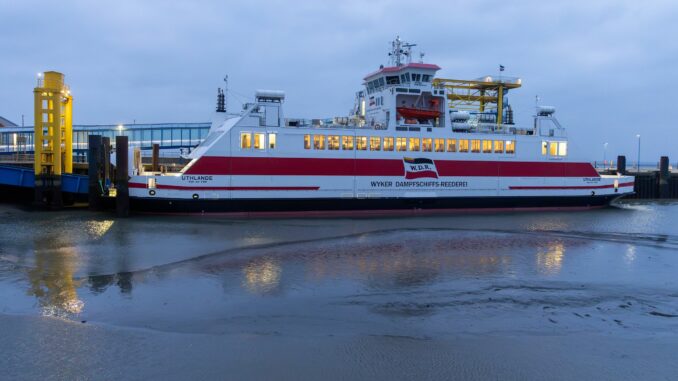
point(357, 207)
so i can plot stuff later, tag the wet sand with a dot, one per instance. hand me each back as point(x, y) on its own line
point(586, 295)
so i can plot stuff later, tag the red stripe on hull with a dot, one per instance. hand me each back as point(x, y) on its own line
point(258, 188)
point(273, 166)
point(520, 187)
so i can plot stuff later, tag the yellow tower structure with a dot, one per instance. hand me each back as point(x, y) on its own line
point(53, 113)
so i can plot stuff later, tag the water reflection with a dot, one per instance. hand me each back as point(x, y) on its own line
point(262, 276)
point(97, 229)
point(550, 258)
point(52, 283)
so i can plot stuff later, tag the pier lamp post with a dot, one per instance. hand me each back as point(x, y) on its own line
point(638, 161)
point(120, 128)
point(604, 154)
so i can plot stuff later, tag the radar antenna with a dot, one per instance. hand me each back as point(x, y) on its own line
point(401, 52)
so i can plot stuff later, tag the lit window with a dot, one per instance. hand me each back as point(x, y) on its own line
point(271, 141)
point(401, 144)
point(439, 145)
point(487, 146)
point(347, 142)
point(511, 146)
point(318, 141)
point(498, 146)
point(451, 145)
point(361, 143)
point(553, 148)
point(562, 148)
point(307, 141)
point(333, 142)
point(475, 146)
point(463, 145)
point(388, 144)
point(245, 140)
point(259, 141)
point(427, 144)
point(151, 183)
point(414, 144)
point(544, 148)
point(375, 143)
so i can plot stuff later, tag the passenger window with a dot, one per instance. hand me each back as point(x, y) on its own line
point(414, 144)
point(319, 141)
point(347, 142)
point(361, 143)
point(475, 146)
point(553, 148)
point(439, 145)
point(498, 146)
point(544, 148)
point(388, 144)
point(260, 141)
point(451, 145)
point(511, 146)
point(427, 144)
point(562, 148)
point(463, 145)
point(307, 141)
point(245, 140)
point(375, 143)
point(333, 142)
point(487, 146)
point(401, 144)
point(271, 140)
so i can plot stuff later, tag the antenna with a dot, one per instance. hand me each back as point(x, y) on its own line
point(399, 49)
point(225, 93)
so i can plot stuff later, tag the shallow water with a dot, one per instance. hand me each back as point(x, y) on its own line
point(611, 273)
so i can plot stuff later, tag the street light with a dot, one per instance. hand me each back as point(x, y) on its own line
point(638, 161)
point(120, 127)
point(604, 154)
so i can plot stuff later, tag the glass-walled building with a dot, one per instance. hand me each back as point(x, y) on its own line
point(170, 136)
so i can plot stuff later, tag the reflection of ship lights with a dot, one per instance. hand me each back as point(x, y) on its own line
point(262, 276)
point(97, 229)
point(550, 261)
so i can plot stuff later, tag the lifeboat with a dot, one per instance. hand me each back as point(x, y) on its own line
point(418, 113)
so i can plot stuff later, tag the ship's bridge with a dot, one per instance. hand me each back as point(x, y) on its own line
point(409, 75)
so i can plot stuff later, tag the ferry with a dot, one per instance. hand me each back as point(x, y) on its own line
point(413, 143)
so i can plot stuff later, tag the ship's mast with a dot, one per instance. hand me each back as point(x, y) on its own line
point(401, 52)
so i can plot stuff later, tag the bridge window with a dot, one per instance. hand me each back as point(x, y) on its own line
point(487, 146)
point(415, 144)
point(475, 146)
point(426, 78)
point(498, 146)
point(318, 141)
point(463, 145)
point(388, 144)
point(245, 140)
point(439, 145)
point(427, 144)
point(392, 80)
point(511, 146)
point(271, 140)
point(361, 143)
point(347, 142)
point(259, 141)
point(404, 78)
point(375, 143)
point(307, 141)
point(401, 144)
point(333, 142)
point(562, 148)
point(416, 77)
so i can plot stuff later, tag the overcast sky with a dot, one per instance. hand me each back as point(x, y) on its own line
point(609, 67)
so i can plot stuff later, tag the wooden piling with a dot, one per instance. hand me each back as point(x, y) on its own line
point(121, 176)
point(663, 183)
point(621, 164)
point(94, 159)
point(154, 159)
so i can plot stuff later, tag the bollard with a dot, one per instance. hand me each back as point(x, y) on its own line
point(154, 160)
point(121, 176)
point(94, 157)
point(664, 177)
point(621, 164)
